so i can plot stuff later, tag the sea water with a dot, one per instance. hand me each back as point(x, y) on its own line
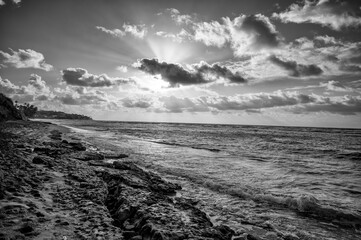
point(305, 182)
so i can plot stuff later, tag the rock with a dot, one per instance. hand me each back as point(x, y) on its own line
point(26, 228)
point(143, 179)
point(129, 234)
point(138, 202)
point(251, 237)
point(125, 166)
point(77, 146)
point(50, 151)
point(88, 156)
point(39, 160)
point(35, 193)
point(117, 156)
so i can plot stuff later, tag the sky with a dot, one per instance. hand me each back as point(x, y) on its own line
point(253, 62)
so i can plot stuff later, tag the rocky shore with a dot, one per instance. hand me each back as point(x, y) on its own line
point(54, 186)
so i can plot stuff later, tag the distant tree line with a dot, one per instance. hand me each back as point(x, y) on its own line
point(59, 115)
point(17, 111)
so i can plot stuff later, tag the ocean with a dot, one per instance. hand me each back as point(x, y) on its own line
point(304, 182)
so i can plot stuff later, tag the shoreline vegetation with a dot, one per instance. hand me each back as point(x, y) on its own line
point(41, 114)
point(11, 111)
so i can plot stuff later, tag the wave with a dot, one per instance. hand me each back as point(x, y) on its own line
point(349, 156)
point(305, 205)
point(184, 145)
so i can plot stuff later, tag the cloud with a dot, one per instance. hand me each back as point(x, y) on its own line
point(244, 33)
point(295, 69)
point(259, 101)
point(176, 75)
point(331, 86)
point(36, 89)
point(123, 69)
point(335, 86)
point(81, 100)
point(2, 2)
point(331, 13)
point(173, 73)
point(219, 71)
point(173, 104)
point(37, 84)
point(177, 17)
point(234, 103)
point(256, 31)
point(211, 33)
point(178, 37)
point(24, 59)
point(350, 68)
point(81, 77)
point(37, 92)
point(346, 105)
point(335, 55)
point(8, 87)
point(250, 33)
point(137, 31)
point(136, 103)
point(115, 32)
point(290, 101)
point(82, 96)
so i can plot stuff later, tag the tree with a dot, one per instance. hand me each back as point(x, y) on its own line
point(28, 109)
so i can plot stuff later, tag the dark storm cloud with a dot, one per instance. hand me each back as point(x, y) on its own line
point(264, 32)
point(175, 74)
point(295, 69)
point(81, 77)
point(331, 13)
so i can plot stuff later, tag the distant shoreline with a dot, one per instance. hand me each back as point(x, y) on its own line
point(211, 124)
point(41, 114)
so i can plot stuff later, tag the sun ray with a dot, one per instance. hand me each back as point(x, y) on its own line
point(169, 51)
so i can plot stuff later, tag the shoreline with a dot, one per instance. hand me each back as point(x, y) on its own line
point(83, 185)
point(55, 186)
